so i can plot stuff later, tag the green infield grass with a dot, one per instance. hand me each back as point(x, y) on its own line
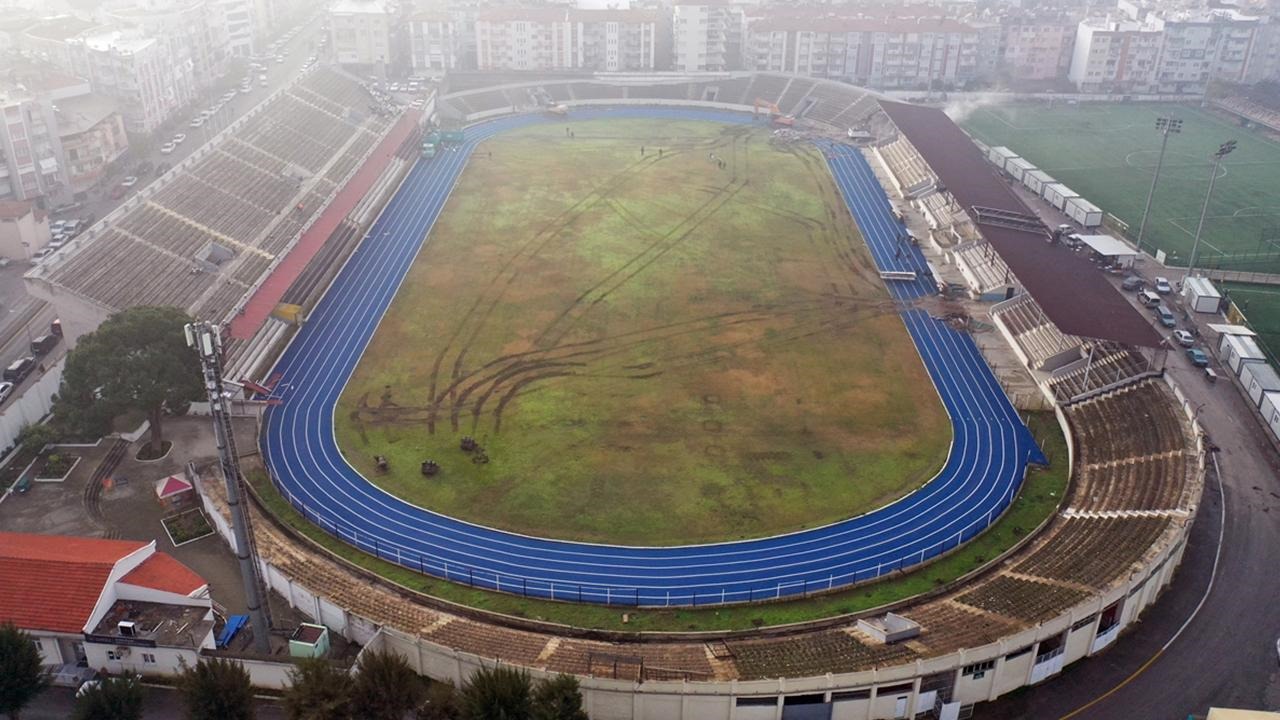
point(647, 348)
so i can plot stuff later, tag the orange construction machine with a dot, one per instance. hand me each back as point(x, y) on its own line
point(775, 114)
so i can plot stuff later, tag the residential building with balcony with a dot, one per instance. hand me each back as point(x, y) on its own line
point(566, 39)
point(708, 36)
point(435, 43)
point(30, 151)
point(360, 31)
point(616, 40)
point(1036, 48)
point(874, 52)
point(192, 32)
point(139, 72)
point(1115, 55)
point(91, 132)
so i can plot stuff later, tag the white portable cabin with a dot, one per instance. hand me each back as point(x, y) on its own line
point(1035, 180)
point(1083, 212)
point(1000, 155)
point(1057, 195)
point(1018, 167)
point(1270, 408)
point(1201, 295)
point(1259, 378)
point(1236, 350)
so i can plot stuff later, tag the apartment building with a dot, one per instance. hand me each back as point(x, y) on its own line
point(435, 43)
point(1036, 48)
point(49, 40)
point(1203, 46)
point(708, 36)
point(875, 52)
point(563, 39)
point(138, 71)
point(1115, 55)
point(91, 132)
point(237, 22)
point(360, 31)
point(29, 145)
point(193, 33)
point(524, 39)
point(616, 40)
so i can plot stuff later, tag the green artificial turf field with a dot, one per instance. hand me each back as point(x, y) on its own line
point(1107, 152)
point(648, 350)
point(1261, 305)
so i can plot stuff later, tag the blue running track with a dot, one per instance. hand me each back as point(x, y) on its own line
point(989, 453)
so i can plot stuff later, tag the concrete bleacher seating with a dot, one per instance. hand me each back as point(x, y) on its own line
point(829, 101)
point(790, 101)
point(1037, 336)
point(908, 168)
point(250, 194)
point(1111, 365)
point(766, 87)
point(596, 91)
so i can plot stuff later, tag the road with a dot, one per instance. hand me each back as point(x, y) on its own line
point(1226, 656)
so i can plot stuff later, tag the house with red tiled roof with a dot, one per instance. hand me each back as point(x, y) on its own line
point(113, 605)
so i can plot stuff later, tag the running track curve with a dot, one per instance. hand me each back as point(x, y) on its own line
point(989, 452)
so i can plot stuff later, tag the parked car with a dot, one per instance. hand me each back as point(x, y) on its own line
point(1165, 316)
point(43, 344)
point(19, 369)
point(163, 168)
point(167, 148)
point(1197, 357)
point(1184, 338)
point(197, 121)
point(1133, 282)
point(179, 138)
point(6, 389)
point(40, 254)
point(1162, 286)
point(129, 182)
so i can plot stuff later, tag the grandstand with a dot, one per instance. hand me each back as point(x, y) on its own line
point(910, 175)
point(203, 236)
point(824, 103)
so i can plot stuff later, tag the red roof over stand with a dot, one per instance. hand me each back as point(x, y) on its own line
point(1071, 290)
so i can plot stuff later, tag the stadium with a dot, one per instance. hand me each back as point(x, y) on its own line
point(413, 378)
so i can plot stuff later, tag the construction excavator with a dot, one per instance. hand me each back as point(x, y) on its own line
point(775, 114)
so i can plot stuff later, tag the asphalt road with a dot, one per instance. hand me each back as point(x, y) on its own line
point(1226, 657)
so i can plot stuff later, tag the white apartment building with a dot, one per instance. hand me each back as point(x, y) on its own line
point(139, 72)
point(30, 151)
point(238, 23)
point(1113, 55)
point(707, 36)
point(435, 43)
point(1172, 52)
point(561, 39)
point(360, 31)
point(880, 53)
point(191, 31)
point(524, 39)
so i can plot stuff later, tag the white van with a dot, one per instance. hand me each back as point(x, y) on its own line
point(1149, 298)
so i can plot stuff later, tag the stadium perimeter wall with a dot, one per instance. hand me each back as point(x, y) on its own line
point(888, 692)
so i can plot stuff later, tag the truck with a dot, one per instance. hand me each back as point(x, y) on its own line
point(452, 137)
point(428, 149)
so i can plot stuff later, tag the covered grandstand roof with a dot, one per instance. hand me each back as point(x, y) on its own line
point(1075, 296)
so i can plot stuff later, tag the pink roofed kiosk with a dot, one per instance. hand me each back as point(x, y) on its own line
point(174, 491)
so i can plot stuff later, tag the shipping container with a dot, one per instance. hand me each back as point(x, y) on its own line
point(1000, 156)
point(1083, 212)
point(1017, 167)
point(1035, 180)
point(1200, 295)
point(1236, 350)
point(1270, 407)
point(1057, 195)
point(1259, 378)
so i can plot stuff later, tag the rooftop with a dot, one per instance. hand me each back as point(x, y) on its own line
point(355, 7)
point(14, 209)
point(78, 114)
point(163, 572)
point(53, 582)
point(1070, 289)
point(839, 24)
point(118, 40)
point(62, 27)
point(167, 625)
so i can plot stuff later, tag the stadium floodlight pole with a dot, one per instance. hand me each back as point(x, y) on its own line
point(1166, 126)
point(205, 339)
point(1222, 151)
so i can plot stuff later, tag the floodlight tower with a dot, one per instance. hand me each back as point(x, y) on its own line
point(1222, 151)
point(1166, 126)
point(205, 339)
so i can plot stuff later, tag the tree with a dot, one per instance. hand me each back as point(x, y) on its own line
point(22, 675)
point(558, 698)
point(440, 702)
point(386, 688)
point(500, 692)
point(34, 437)
point(138, 360)
point(319, 691)
point(217, 689)
point(118, 698)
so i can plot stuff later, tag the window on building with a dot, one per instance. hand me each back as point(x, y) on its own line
point(149, 658)
point(978, 670)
